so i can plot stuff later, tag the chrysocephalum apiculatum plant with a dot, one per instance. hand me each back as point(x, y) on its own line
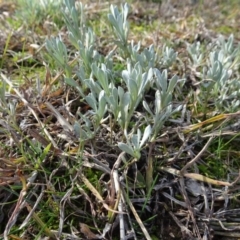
point(215, 67)
point(34, 13)
point(96, 72)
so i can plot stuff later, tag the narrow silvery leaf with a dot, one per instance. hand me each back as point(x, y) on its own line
point(161, 81)
point(147, 77)
point(115, 93)
point(84, 135)
point(146, 134)
point(168, 110)
point(89, 38)
point(77, 129)
point(149, 52)
point(73, 40)
point(125, 75)
point(213, 57)
point(139, 136)
point(120, 24)
point(124, 106)
point(223, 78)
point(164, 79)
point(138, 69)
point(71, 82)
point(126, 148)
point(101, 76)
point(172, 84)
point(114, 107)
point(134, 141)
point(103, 79)
point(133, 89)
point(94, 86)
point(62, 48)
point(114, 11)
point(112, 20)
point(120, 92)
point(177, 109)
point(113, 101)
point(126, 99)
point(168, 100)
point(101, 95)
point(158, 102)
point(150, 74)
point(102, 104)
point(125, 103)
point(125, 10)
point(137, 46)
point(169, 56)
point(109, 59)
point(216, 71)
point(92, 101)
point(81, 73)
point(145, 105)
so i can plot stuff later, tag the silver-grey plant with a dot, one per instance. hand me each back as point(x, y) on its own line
point(96, 73)
point(120, 25)
point(163, 107)
point(136, 142)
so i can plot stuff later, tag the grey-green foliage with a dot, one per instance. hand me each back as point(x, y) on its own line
point(222, 62)
point(95, 73)
point(58, 51)
point(80, 35)
point(217, 80)
point(136, 81)
point(136, 142)
point(195, 53)
point(119, 23)
point(169, 56)
point(36, 12)
point(82, 128)
point(163, 107)
point(98, 104)
point(165, 89)
point(229, 52)
point(75, 21)
point(101, 74)
point(147, 58)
